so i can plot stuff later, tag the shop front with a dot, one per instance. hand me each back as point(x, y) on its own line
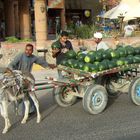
point(56, 16)
point(2, 23)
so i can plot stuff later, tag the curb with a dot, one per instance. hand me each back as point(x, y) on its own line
point(37, 67)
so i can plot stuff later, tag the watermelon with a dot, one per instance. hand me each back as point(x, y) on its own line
point(102, 66)
point(105, 62)
point(114, 61)
point(70, 62)
point(109, 50)
point(64, 62)
point(87, 67)
point(111, 64)
point(137, 50)
point(101, 50)
point(120, 62)
point(81, 57)
point(75, 64)
point(98, 56)
point(114, 54)
point(129, 59)
point(136, 59)
point(81, 65)
point(71, 54)
point(89, 59)
point(96, 63)
point(93, 68)
point(91, 53)
point(106, 55)
point(130, 50)
point(122, 52)
point(137, 56)
point(79, 53)
point(119, 46)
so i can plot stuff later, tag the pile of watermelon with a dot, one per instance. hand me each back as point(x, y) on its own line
point(95, 61)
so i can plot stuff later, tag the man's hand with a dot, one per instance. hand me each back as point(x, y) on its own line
point(55, 51)
point(64, 50)
point(52, 66)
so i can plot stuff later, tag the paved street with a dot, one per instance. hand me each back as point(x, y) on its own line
point(120, 121)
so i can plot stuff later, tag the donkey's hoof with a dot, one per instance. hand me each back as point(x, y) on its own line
point(38, 119)
point(23, 121)
point(4, 131)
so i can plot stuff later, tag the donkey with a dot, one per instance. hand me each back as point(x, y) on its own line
point(15, 86)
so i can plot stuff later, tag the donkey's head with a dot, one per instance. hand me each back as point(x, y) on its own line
point(12, 78)
point(8, 78)
point(15, 77)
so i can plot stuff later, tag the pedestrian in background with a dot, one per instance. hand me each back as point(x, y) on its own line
point(128, 30)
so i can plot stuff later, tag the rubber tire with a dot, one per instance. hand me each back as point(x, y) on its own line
point(87, 99)
point(132, 93)
point(60, 100)
point(104, 81)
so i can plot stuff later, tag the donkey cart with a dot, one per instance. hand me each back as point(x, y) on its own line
point(95, 88)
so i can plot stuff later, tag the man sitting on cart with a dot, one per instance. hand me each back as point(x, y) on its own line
point(98, 40)
point(60, 47)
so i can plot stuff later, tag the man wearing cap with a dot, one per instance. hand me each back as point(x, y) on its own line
point(60, 47)
point(98, 40)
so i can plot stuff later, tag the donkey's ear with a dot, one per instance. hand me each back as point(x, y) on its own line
point(8, 71)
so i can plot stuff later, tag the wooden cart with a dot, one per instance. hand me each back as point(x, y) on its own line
point(94, 88)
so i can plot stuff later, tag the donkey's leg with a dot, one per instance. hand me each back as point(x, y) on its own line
point(4, 113)
point(1, 109)
point(36, 103)
point(26, 114)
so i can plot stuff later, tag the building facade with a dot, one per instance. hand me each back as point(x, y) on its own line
point(38, 18)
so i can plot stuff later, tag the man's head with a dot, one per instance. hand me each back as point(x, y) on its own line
point(29, 49)
point(63, 36)
point(98, 37)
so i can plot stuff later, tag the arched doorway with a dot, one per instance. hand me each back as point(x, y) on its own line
point(2, 21)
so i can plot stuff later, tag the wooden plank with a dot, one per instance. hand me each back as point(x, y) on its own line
point(94, 75)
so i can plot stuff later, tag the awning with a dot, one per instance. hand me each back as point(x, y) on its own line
point(109, 13)
point(117, 11)
point(134, 13)
point(122, 9)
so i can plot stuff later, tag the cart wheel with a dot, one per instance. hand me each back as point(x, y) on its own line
point(95, 99)
point(106, 82)
point(134, 91)
point(63, 96)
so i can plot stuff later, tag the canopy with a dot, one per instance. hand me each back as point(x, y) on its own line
point(117, 11)
point(134, 13)
point(109, 13)
point(122, 9)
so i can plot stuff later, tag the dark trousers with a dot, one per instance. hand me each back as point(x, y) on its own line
point(32, 106)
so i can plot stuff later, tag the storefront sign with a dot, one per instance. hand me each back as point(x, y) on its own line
point(55, 3)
